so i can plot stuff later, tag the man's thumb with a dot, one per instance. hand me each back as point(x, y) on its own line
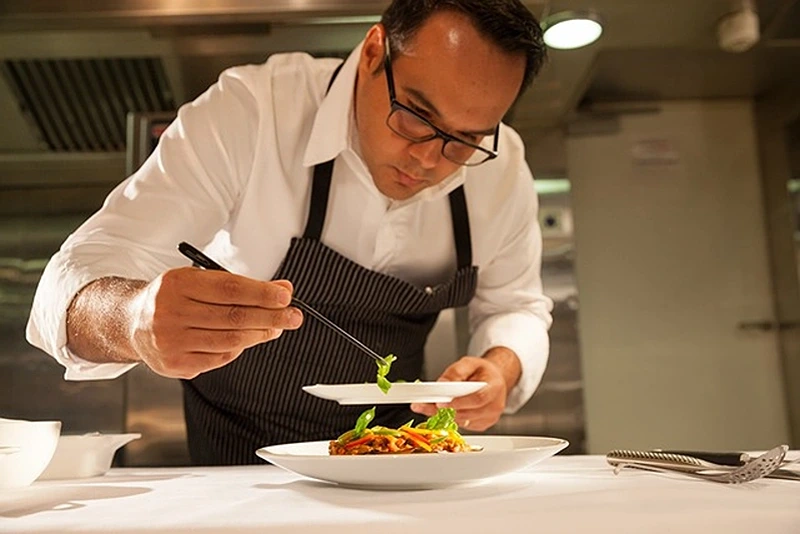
point(460, 370)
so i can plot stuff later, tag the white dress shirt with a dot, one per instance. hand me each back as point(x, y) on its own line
point(232, 175)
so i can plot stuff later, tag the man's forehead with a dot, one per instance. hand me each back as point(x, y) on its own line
point(443, 31)
point(449, 39)
point(420, 98)
point(461, 93)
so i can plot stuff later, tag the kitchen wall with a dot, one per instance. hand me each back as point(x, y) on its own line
point(672, 271)
point(778, 126)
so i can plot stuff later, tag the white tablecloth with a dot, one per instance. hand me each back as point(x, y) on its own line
point(562, 494)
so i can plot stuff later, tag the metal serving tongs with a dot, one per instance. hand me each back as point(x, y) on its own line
point(666, 462)
point(205, 262)
point(737, 458)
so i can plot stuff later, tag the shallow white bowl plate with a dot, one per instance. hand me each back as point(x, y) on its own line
point(400, 393)
point(86, 455)
point(501, 454)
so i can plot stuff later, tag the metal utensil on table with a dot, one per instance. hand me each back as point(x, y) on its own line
point(201, 260)
point(737, 458)
point(753, 469)
point(734, 458)
point(731, 458)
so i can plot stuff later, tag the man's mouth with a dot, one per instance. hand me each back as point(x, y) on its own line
point(408, 180)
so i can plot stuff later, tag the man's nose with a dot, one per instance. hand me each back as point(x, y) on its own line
point(427, 153)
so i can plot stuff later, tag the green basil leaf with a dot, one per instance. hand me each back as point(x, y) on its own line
point(443, 419)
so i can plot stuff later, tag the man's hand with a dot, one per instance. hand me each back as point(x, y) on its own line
point(499, 368)
point(185, 322)
point(189, 321)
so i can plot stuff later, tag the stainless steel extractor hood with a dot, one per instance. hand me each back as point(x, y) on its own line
point(71, 71)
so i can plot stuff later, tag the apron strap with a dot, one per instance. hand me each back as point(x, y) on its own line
point(461, 232)
point(320, 187)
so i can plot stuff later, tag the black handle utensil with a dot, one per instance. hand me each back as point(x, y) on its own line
point(720, 458)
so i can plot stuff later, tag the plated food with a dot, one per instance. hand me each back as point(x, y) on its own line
point(499, 455)
point(437, 434)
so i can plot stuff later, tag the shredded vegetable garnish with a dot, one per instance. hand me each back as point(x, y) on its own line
point(437, 434)
point(383, 369)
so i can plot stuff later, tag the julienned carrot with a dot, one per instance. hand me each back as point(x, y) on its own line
point(419, 440)
point(359, 441)
point(414, 433)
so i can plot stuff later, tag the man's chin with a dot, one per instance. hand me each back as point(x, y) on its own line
point(396, 190)
point(399, 192)
point(400, 186)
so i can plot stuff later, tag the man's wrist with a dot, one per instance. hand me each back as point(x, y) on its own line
point(508, 363)
point(99, 321)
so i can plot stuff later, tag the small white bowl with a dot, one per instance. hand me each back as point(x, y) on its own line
point(86, 455)
point(27, 447)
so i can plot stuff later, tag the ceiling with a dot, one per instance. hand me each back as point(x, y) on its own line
point(651, 50)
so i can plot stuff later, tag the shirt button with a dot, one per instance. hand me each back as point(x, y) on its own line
point(429, 290)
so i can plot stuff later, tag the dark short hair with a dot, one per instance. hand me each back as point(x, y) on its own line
point(506, 23)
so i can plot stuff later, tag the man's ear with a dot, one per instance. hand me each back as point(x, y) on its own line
point(373, 51)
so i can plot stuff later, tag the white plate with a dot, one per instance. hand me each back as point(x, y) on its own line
point(501, 454)
point(402, 393)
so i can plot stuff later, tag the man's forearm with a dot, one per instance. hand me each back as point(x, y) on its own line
point(508, 362)
point(99, 321)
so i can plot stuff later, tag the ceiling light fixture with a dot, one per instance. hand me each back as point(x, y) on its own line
point(572, 29)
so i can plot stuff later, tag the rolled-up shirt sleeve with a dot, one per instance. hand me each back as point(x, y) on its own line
point(185, 191)
point(510, 309)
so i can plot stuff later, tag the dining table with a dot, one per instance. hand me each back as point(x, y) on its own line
point(564, 493)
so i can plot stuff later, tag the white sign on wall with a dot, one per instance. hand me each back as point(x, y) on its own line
point(654, 152)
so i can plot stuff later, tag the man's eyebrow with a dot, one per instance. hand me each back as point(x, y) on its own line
point(427, 103)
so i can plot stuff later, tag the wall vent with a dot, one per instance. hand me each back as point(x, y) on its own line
point(80, 105)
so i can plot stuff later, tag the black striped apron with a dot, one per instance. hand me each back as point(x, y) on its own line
point(257, 399)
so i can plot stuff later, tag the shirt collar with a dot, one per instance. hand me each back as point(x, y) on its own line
point(330, 133)
point(334, 132)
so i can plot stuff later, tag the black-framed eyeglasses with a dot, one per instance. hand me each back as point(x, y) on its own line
point(410, 125)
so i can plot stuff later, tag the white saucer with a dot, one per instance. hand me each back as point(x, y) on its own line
point(400, 393)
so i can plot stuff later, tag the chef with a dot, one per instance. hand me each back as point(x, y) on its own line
point(380, 190)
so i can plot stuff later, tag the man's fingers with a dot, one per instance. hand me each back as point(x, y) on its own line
point(232, 317)
point(424, 408)
point(461, 370)
point(222, 341)
point(219, 287)
point(285, 283)
point(473, 401)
